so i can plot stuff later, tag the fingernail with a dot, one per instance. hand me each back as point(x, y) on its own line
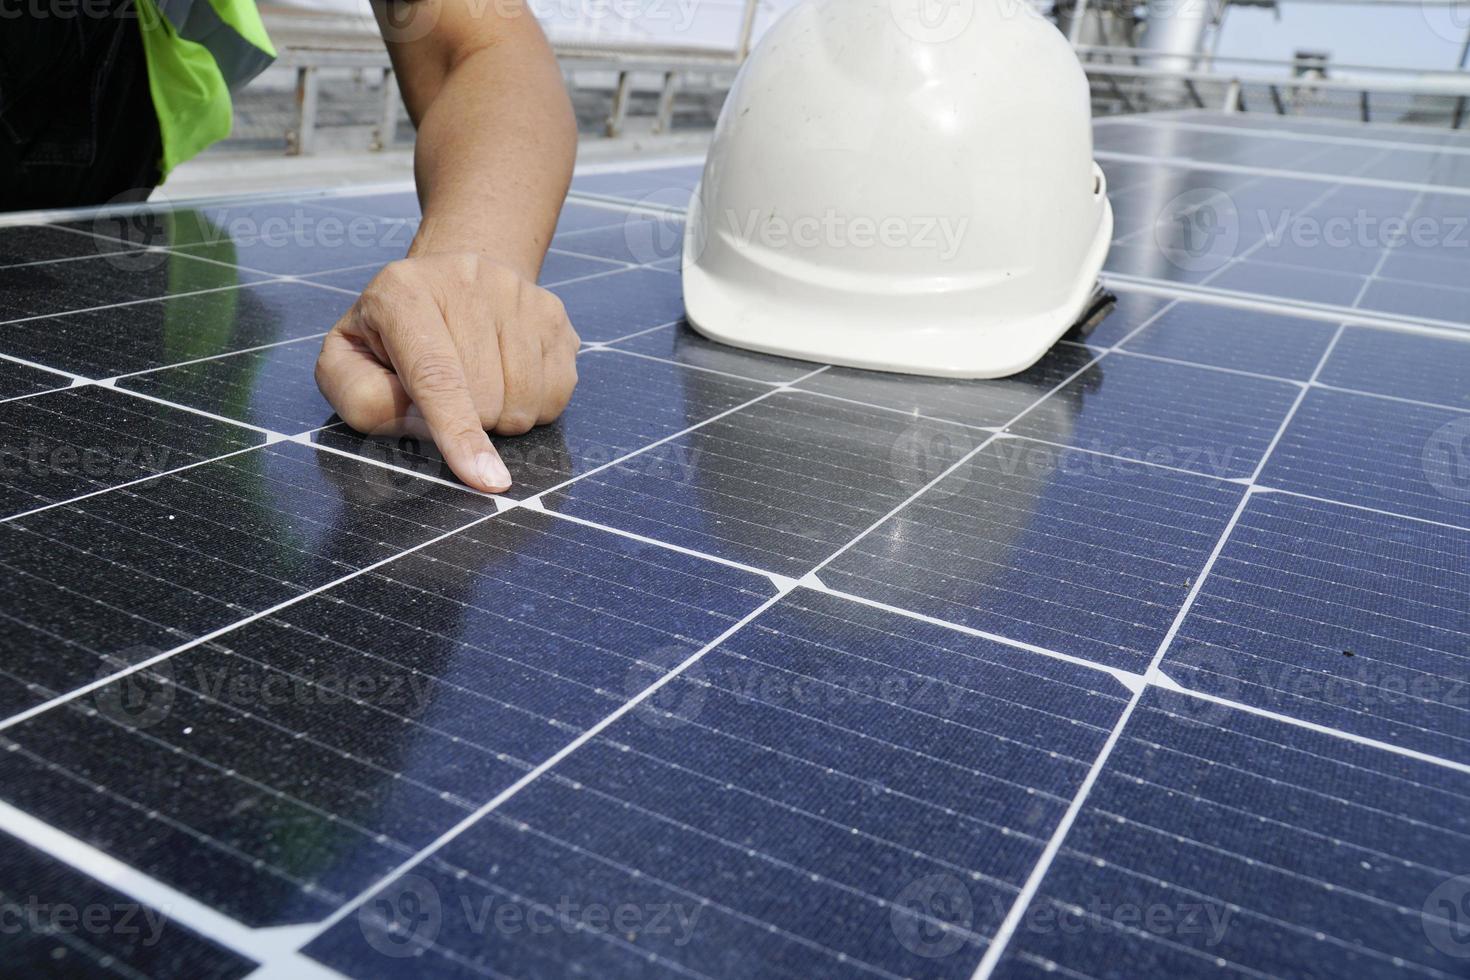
point(492, 471)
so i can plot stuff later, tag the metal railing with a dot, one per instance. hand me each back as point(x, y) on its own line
point(1123, 77)
point(310, 43)
point(1210, 61)
point(1139, 88)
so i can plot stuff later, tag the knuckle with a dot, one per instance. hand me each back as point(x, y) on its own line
point(570, 340)
point(559, 393)
point(515, 422)
point(551, 304)
point(558, 336)
point(358, 413)
point(356, 419)
point(392, 276)
point(373, 305)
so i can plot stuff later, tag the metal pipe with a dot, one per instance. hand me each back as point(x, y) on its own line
point(1356, 85)
point(664, 118)
point(1269, 62)
point(1175, 39)
point(1074, 29)
point(1232, 97)
point(747, 29)
point(622, 95)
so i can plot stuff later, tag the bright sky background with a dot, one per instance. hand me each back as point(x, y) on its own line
point(1403, 36)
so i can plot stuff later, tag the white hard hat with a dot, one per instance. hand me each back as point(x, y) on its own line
point(906, 185)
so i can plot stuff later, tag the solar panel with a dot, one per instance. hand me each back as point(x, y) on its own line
point(1340, 130)
point(1225, 842)
point(1149, 661)
point(1426, 164)
point(1312, 239)
point(61, 923)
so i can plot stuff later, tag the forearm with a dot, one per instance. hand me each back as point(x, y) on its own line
point(495, 152)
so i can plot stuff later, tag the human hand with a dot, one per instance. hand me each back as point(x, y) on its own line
point(449, 346)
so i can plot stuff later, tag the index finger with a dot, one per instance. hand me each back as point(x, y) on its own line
point(417, 341)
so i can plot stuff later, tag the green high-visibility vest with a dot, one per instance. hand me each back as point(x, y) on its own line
point(197, 52)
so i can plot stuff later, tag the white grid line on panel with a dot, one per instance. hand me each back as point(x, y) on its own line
point(1017, 911)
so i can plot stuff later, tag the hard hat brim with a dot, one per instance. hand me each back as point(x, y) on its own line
point(810, 323)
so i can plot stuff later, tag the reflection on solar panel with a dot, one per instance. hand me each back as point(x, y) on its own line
point(1151, 661)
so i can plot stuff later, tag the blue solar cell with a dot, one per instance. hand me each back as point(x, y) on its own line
point(582, 217)
point(560, 267)
point(1441, 169)
point(1345, 618)
point(637, 238)
point(17, 380)
point(353, 280)
point(779, 485)
point(149, 567)
point(681, 343)
point(1147, 260)
point(274, 388)
point(33, 244)
point(61, 923)
point(1134, 213)
point(1349, 258)
point(613, 306)
point(1418, 300)
point(1130, 310)
point(1393, 456)
point(1218, 842)
point(401, 205)
point(280, 770)
point(660, 184)
point(981, 403)
point(62, 444)
point(1243, 340)
point(1404, 365)
point(1438, 270)
point(1174, 414)
point(120, 340)
point(83, 284)
point(1078, 553)
point(288, 238)
point(1290, 282)
point(832, 789)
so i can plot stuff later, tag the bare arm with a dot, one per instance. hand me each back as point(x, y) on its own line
point(496, 138)
point(457, 338)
